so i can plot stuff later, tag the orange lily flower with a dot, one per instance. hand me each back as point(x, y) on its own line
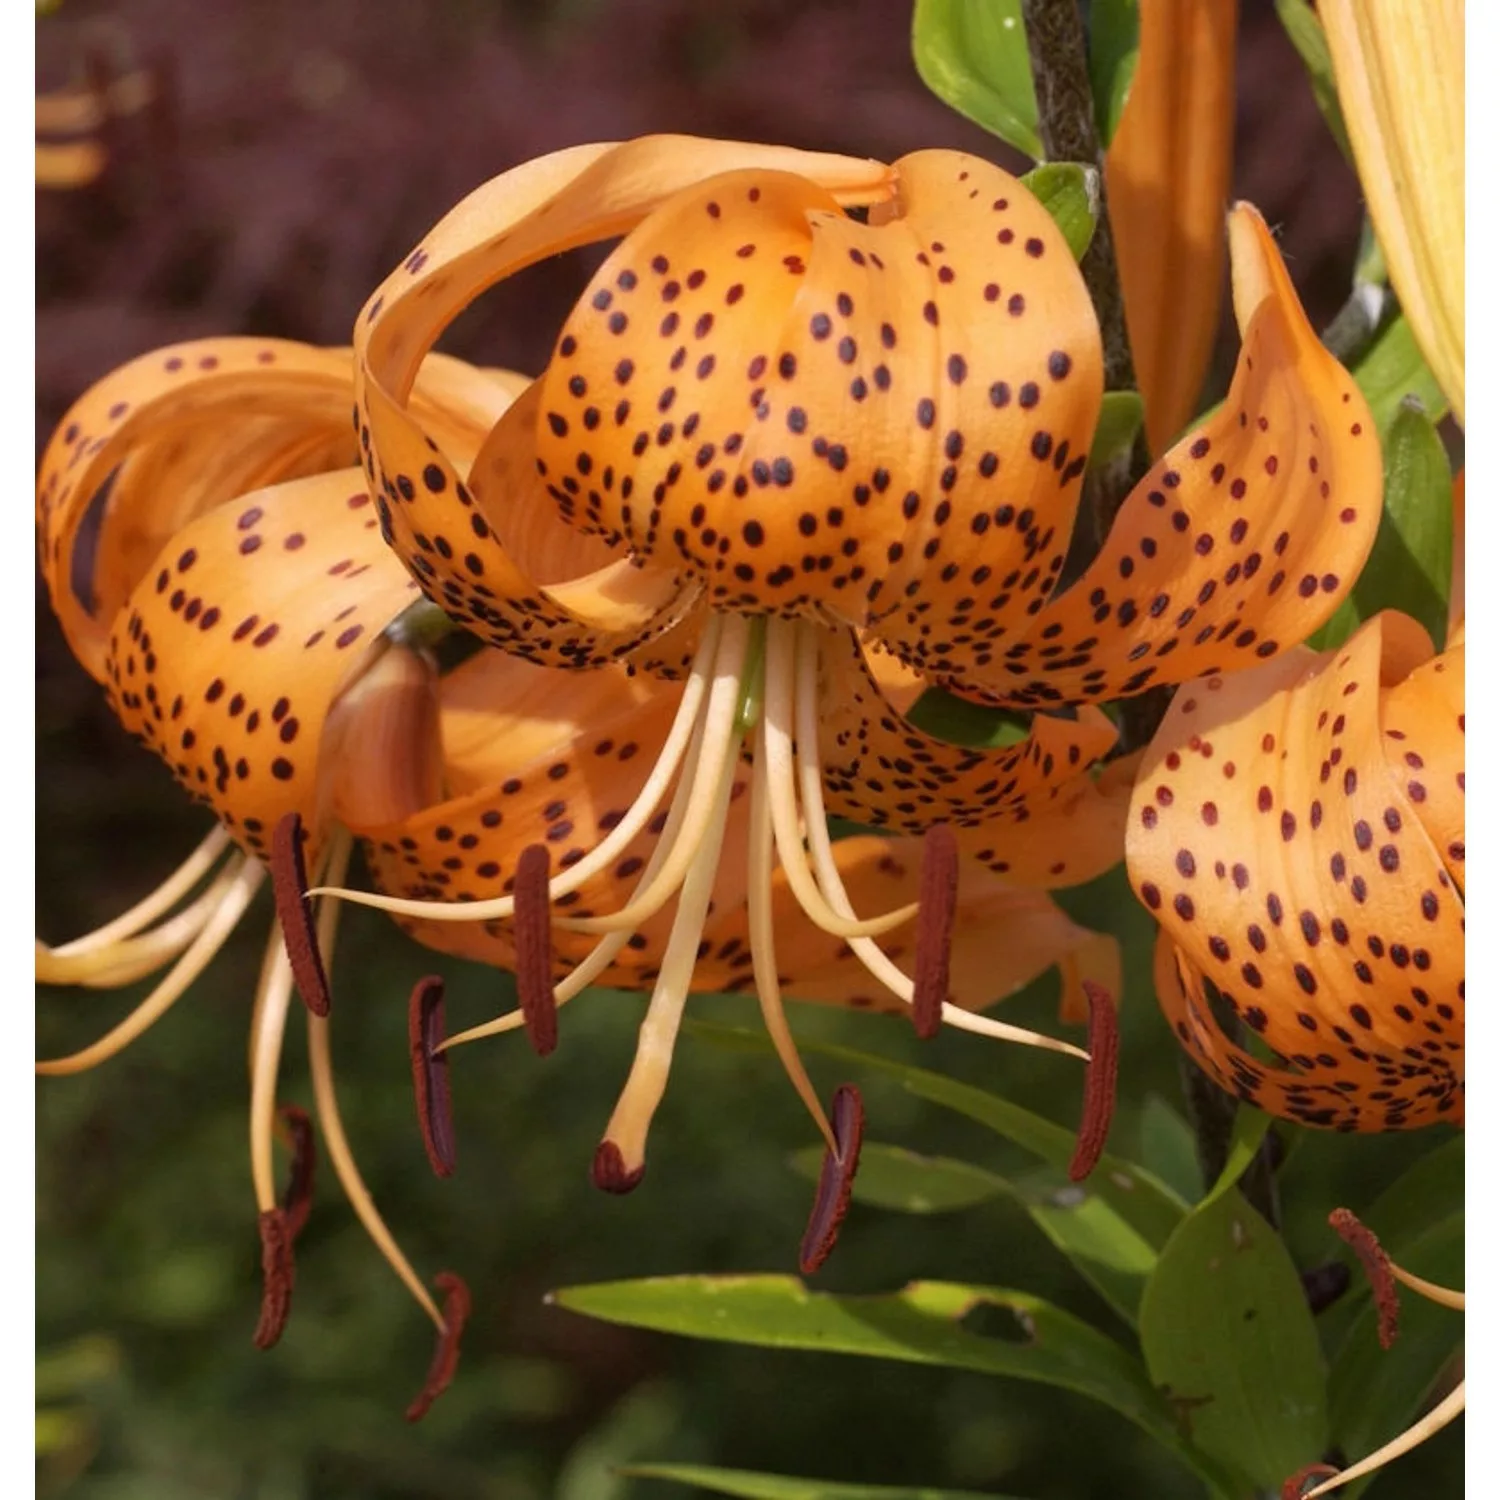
point(860, 442)
point(1298, 832)
point(1167, 175)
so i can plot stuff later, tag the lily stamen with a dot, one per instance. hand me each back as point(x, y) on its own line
point(835, 1181)
point(429, 1066)
point(533, 926)
point(294, 911)
point(278, 1273)
point(937, 901)
point(296, 1201)
point(1099, 1081)
point(456, 1308)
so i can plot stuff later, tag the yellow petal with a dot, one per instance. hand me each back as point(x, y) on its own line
point(1242, 539)
point(1282, 852)
point(1167, 179)
point(1399, 70)
point(823, 417)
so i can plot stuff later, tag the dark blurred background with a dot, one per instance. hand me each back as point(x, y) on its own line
point(294, 154)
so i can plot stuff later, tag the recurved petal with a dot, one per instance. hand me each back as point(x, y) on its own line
point(1399, 70)
point(1242, 539)
point(165, 438)
point(537, 210)
point(1167, 177)
point(1286, 862)
point(227, 656)
point(825, 417)
point(879, 769)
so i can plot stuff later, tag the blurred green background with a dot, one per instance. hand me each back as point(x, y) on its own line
point(302, 151)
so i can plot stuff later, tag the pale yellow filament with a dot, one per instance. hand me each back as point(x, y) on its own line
point(1438, 1418)
point(816, 820)
point(198, 955)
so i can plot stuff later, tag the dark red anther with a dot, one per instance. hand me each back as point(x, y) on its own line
point(278, 1272)
point(429, 1073)
point(456, 1308)
point(296, 1201)
point(937, 902)
point(533, 927)
point(836, 1180)
point(1377, 1266)
point(1099, 1081)
point(609, 1172)
point(294, 911)
point(1300, 1482)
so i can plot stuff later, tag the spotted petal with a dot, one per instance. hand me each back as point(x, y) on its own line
point(1242, 539)
point(1281, 850)
point(560, 201)
point(1167, 177)
point(822, 417)
point(226, 658)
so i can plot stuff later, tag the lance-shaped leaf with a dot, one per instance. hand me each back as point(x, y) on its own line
point(1287, 833)
point(975, 59)
point(1228, 1337)
point(925, 1323)
point(1208, 562)
point(1305, 32)
point(751, 1486)
point(1114, 49)
point(1391, 370)
point(1167, 177)
point(1399, 69)
point(1070, 193)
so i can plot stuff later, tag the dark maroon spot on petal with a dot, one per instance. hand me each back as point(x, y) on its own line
point(1099, 1081)
point(937, 901)
point(429, 1072)
point(278, 1272)
point(533, 930)
point(1377, 1267)
point(294, 911)
point(836, 1180)
point(444, 1366)
point(296, 1201)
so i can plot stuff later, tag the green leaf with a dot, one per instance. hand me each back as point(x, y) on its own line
point(1152, 1209)
point(1114, 49)
point(1306, 32)
point(783, 1487)
point(1226, 1330)
point(1410, 567)
point(1120, 417)
point(1070, 193)
point(894, 1178)
point(974, 58)
point(1374, 1393)
point(1392, 369)
point(1168, 1147)
point(1246, 1134)
point(946, 716)
point(1104, 1249)
point(989, 1329)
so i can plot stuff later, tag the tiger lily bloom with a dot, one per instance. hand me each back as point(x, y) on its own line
point(811, 462)
point(1166, 175)
point(1298, 833)
point(1385, 1277)
point(1399, 72)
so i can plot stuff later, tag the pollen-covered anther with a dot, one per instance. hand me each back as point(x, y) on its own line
point(937, 902)
point(456, 1309)
point(296, 1201)
point(1296, 1487)
point(609, 1172)
point(1377, 1264)
point(278, 1273)
point(1099, 1081)
point(429, 1071)
point(836, 1180)
point(533, 927)
point(289, 889)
